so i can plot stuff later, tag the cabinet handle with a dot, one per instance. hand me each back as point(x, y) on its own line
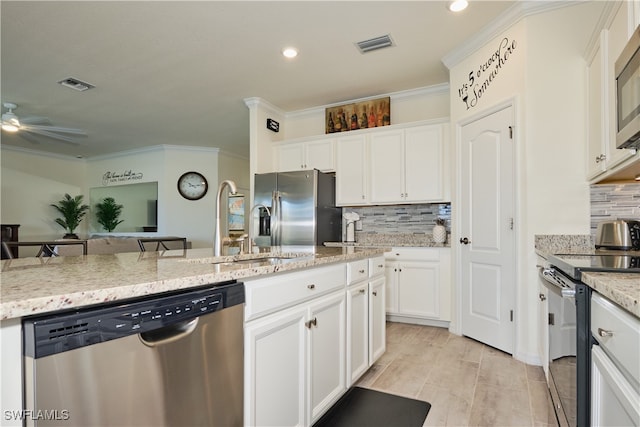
point(312, 322)
point(604, 333)
point(311, 286)
point(361, 271)
point(375, 293)
point(361, 291)
point(601, 158)
point(380, 265)
point(542, 297)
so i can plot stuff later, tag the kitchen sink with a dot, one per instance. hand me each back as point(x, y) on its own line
point(257, 260)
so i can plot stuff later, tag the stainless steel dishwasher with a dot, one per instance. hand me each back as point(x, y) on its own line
point(171, 360)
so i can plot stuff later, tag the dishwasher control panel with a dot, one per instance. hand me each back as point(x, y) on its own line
point(56, 333)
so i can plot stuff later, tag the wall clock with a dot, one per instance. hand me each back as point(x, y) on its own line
point(192, 185)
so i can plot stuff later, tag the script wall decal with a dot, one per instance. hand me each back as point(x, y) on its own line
point(480, 79)
point(120, 177)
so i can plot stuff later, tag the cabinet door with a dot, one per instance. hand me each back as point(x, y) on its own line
point(357, 331)
point(377, 319)
point(614, 401)
point(387, 167)
point(275, 349)
point(596, 129)
point(350, 171)
point(290, 157)
point(417, 290)
point(320, 155)
point(391, 285)
point(327, 349)
point(424, 164)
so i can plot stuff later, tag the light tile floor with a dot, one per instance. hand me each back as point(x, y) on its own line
point(466, 382)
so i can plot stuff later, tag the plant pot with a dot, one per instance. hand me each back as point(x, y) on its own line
point(70, 236)
point(439, 234)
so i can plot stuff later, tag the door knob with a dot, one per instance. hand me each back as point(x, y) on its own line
point(465, 241)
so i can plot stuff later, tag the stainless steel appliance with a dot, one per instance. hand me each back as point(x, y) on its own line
point(172, 360)
point(627, 71)
point(621, 234)
point(302, 205)
point(570, 337)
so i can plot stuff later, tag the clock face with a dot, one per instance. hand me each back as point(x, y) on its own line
point(192, 186)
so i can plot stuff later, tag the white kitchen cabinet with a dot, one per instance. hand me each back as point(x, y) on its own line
point(407, 165)
point(418, 284)
point(602, 154)
point(275, 369)
point(377, 319)
point(357, 331)
point(317, 154)
point(615, 371)
point(366, 321)
point(351, 170)
point(327, 341)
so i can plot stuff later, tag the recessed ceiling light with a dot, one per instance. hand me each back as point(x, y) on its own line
point(290, 52)
point(458, 5)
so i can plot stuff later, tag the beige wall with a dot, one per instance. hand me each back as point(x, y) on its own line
point(30, 183)
point(32, 180)
point(545, 79)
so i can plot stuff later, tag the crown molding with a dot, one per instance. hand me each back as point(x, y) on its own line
point(259, 102)
point(421, 91)
point(507, 19)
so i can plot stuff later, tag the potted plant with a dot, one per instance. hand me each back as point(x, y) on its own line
point(107, 213)
point(72, 211)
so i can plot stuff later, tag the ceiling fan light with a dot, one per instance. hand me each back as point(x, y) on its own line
point(9, 127)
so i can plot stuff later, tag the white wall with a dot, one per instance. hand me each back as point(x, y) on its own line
point(31, 182)
point(545, 79)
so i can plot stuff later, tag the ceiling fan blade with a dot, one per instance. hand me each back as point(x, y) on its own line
point(54, 129)
point(35, 120)
point(52, 135)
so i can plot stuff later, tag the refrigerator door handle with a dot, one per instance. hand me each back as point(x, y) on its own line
point(275, 218)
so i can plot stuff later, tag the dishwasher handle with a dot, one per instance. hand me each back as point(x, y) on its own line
point(168, 334)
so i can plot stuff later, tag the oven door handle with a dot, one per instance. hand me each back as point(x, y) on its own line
point(550, 277)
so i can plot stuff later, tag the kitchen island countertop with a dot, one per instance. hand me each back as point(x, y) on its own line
point(30, 286)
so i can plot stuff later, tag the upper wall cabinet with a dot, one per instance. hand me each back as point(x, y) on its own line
point(316, 154)
point(351, 170)
point(406, 165)
point(602, 154)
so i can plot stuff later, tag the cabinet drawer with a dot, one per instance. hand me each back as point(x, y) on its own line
point(357, 271)
point(264, 296)
point(376, 266)
point(413, 253)
point(618, 333)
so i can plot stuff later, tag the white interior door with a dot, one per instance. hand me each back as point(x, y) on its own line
point(487, 236)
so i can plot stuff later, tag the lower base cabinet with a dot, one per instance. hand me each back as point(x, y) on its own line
point(300, 359)
point(418, 283)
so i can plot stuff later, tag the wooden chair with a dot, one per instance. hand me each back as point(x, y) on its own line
point(161, 243)
point(47, 248)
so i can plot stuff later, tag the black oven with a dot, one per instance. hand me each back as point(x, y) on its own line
point(569, 347)
point(570, 337)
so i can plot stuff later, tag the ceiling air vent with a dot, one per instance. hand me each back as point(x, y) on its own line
point(76, 84)
point(375, 43)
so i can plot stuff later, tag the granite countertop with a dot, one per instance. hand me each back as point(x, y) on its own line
point(33, 285)
point(621, 288)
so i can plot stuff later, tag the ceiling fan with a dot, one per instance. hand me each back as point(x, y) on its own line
point(28, 126)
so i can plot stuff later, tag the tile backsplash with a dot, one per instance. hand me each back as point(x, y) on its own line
point(416, 219)
point(614, 201)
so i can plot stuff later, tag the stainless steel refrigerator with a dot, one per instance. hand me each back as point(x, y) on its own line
point(303, 208)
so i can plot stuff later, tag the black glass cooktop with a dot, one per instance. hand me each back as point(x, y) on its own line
point(573, 265)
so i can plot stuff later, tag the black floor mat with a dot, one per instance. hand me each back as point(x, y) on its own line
point(369, 408)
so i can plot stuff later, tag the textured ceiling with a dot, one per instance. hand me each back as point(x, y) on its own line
point(176, 72)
